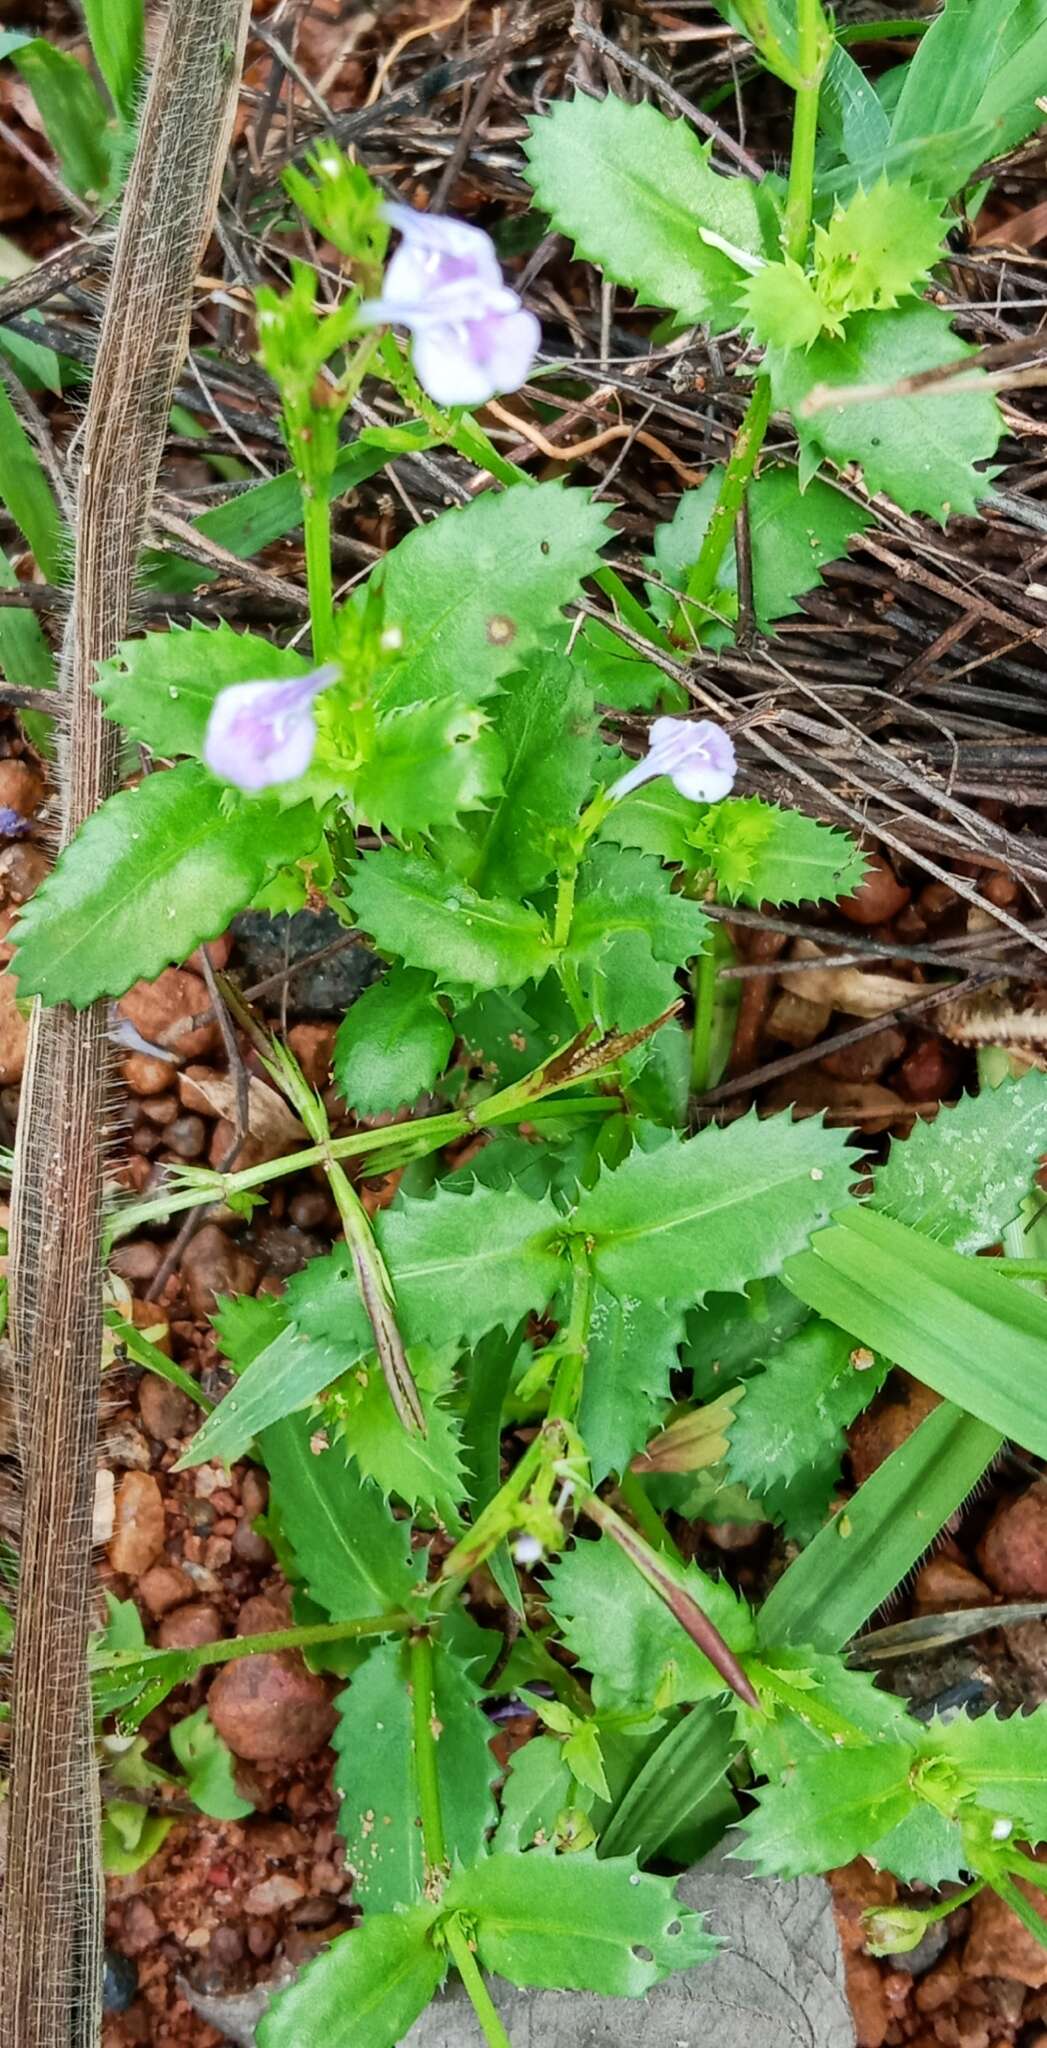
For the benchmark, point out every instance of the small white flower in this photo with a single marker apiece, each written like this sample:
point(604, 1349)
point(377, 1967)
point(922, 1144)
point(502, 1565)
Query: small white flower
point(472, 336)
point(260, 734)
point(696, 755)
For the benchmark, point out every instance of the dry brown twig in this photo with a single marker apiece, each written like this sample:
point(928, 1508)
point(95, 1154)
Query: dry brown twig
point(51, 1956)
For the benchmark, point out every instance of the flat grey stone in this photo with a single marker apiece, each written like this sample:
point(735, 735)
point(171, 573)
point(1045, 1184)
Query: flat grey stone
point(777, 1982)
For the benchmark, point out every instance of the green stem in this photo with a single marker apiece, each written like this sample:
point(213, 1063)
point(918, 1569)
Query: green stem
point(469, 1971)
point(230, 1648)
point(566, 884)
point(703, 986)
point(646, 1516)
point(498, 1516)
point(814, 48)
point(423, 1717)
point(701, 581)
point(434, 1844)
point(567, 1386)
point(316, 524)
point(401, 1143)
point(396, 1145)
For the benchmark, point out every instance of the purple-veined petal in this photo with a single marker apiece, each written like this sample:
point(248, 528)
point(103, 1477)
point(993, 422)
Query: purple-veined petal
point(467, 362)
point(472, 337)
point(441, 240)
point(261, 734)
point(697, 756)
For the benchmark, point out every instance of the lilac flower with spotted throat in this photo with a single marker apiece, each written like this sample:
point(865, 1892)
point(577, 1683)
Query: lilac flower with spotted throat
point(472, 337)
point(259, 734)
point(698, 757)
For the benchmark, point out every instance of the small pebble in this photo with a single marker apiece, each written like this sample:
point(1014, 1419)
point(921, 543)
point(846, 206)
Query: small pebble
point(139, 1525)
point(879, 897)
point(187, 1135)
point(120, 1982)
point(190, 1626)
point(165, 1411)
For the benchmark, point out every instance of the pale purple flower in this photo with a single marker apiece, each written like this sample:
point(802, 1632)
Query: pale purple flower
point(472, 337)
point(259, 734)
point(698, 758)
point(12, 823)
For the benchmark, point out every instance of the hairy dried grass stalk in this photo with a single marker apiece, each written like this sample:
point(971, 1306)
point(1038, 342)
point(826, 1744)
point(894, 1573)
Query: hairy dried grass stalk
point(50, 1960)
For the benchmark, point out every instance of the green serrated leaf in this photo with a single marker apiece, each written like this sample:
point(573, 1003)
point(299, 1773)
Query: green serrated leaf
point(876, 249)
point(463, 1263)
point(474, 592)
point(926, 1847)
point(656, 819)
point(628, 934)
point(162, 686)
point(777, 1740)
point(792, 1417)
point(715, 1211)
point(828, 1809)
point(534, 1795)
point(417, 1467)
point(425, 916)
point(623, 1634)
point(732, 1335)
point(780, 305)
point(632, 190)
point(546, 725)
point(355, 1558)
point(793, 533)
point(572, 1923)
point(155, 870)
point(431, 763)
point(375, 1774)
point(760, 854)
point(392, 1044)
point(633, 1348)
point(208, 1767)
point(922, 448)
point(974, 1336)
point(1003, 1763)
point(365, 1991)
point(962, 1178)
point(246, 1324)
